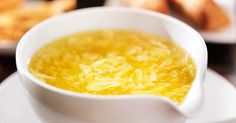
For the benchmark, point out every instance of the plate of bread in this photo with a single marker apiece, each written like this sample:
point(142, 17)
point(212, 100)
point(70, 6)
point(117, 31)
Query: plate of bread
point(18, 16)
point(215, 20)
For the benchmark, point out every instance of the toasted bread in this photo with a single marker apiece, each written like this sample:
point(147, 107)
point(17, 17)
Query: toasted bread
point(204, 14)
point(9, 4)
point(215, 17)
point(191, 9)
point(15, 22)
point(155, 5)
point(58, 6)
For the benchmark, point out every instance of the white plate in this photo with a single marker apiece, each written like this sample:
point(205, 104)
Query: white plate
point(219, 106)
point(223, 36)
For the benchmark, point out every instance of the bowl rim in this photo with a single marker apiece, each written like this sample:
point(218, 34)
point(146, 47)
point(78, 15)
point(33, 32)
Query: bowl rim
point(23, 70)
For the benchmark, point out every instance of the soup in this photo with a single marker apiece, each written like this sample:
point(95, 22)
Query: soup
point(115, 62)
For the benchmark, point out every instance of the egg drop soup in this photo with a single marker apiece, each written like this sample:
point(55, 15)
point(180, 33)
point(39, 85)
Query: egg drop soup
point(115, 62)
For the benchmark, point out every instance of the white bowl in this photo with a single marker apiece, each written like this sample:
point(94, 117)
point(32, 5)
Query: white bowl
point(55, 105)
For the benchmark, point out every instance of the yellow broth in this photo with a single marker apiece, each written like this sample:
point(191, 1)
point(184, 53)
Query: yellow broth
point(115, 62)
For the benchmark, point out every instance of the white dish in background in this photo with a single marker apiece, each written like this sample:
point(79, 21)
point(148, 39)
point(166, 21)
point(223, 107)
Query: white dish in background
point(219, 105)
point(223, 36)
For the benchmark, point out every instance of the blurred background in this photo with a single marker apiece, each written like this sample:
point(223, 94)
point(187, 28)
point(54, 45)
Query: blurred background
point(18, 16)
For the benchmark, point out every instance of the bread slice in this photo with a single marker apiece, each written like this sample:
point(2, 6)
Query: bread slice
point(9, 4)
point(204, 14)
point(215, 17)
point(191, 9)
point(15, 22)
point(58, 6)
point(154, 5)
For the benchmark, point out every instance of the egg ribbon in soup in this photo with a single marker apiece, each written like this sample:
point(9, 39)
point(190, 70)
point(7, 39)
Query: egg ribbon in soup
point(115, 62)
